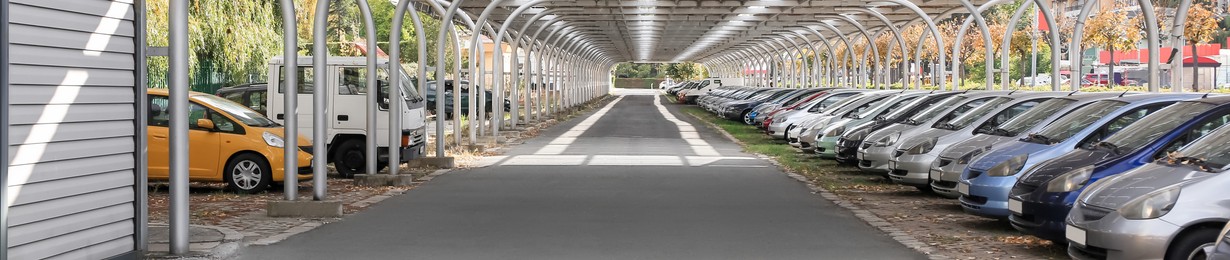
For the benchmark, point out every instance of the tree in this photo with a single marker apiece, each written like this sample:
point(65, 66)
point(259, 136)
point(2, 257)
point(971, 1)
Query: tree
point(1110, 29)
point(1199, 28)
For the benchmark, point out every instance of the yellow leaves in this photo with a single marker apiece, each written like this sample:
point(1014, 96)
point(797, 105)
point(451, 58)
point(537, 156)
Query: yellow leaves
point(1110, 28)
point(1201, 24)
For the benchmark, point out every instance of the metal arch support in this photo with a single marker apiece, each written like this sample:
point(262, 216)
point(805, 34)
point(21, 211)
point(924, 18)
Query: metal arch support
point(900, 40)
point(849, 51)
point(447, 21)
point(529, 102)
point(939, 42)
point(370, 149)
point(1176, 34)
point(1146, 9)
point(815, 62)
point(516, 64)
point(772, 58)
point(870, 40)
point(808, 80)
point(781, 54)
point(498, 67)
point(976, 17)
point(831, 57)
point(790, 57)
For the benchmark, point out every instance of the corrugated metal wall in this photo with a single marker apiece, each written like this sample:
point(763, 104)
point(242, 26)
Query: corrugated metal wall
point(72, 154)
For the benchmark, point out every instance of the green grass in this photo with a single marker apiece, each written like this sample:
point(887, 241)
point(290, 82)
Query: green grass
point(826, 173)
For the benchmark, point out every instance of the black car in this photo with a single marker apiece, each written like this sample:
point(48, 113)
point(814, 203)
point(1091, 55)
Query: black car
point(465, 98)
point(252, 95)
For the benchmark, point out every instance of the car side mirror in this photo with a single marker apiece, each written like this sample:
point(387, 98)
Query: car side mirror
point(205, 124)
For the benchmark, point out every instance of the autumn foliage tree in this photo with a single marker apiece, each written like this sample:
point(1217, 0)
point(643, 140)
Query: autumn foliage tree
point(1199, 28)
point(1110, 29)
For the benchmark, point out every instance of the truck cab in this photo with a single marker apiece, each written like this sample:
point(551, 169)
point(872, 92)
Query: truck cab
point(347, 110)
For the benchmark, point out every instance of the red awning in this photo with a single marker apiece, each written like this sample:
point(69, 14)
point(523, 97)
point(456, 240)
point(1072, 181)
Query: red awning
point(1204, 62)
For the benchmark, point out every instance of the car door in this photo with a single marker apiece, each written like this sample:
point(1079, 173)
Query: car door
point(203, 145)
point(1196, 132)
point(156, 130)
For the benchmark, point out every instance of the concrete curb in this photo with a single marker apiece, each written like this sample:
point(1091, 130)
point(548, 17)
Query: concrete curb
point(865, 215)
point(227, 248)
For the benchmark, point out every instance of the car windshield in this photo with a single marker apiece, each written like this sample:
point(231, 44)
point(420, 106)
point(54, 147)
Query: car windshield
point(844, 102)
point(824, 102)
point(1155, 125)
point(244, 114)
point(886, 107)
point(1210, 151)
point(1074, 122)
point(786, 95)
point(1032, 117)
point(798, 98)
point(407, 83)
point(973, 115)
point(933, 111)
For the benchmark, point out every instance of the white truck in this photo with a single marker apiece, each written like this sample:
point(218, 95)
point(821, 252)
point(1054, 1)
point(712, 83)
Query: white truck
point(347, 132)
point(690, 95)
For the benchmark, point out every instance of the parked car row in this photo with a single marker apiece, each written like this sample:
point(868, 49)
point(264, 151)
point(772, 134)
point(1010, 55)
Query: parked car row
point(1112, 175)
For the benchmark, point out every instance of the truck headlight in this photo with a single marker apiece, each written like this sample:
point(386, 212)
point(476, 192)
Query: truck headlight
point(274, 140)
point(923, 147)
point(1070, 181)
point(1010, 167)
point(1152, 205)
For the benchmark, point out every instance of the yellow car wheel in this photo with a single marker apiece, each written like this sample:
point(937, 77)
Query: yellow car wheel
point(248, 173)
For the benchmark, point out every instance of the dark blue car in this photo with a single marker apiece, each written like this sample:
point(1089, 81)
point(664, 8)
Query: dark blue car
point(1041, 199)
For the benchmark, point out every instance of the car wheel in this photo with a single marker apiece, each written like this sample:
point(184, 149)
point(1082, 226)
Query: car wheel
point(1192, 244)
point(747, 119)
point(350, 158)
point(248, 173)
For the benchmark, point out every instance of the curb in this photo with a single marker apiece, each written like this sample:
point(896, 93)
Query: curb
point(228, 247)
point(865, 215)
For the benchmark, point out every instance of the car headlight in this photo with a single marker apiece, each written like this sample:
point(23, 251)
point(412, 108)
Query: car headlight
point(836, 131)
point(1070, 181)
point(965, 159)
point(273, 140)
point(856, 135)
point(923, 147)
point(888, 140)
point(1152, 205)
point(1010, 167)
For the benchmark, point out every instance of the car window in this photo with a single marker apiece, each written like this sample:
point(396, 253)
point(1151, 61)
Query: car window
point(306, 79)
point(1008, 114)
point(1120, 122)
point(1074, 122)
point(853, 113)
point(829, 101)
point(1152, 127)
point(966, 115)
point(257, 101)
point(1202, 130)
point(158, 113)
point(224, 124)
point(1030, 118)
point(236, 97)
point(1212, 149)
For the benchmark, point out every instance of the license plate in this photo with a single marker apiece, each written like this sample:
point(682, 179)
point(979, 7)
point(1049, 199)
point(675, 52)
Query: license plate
point(963, 188)
point(1075, 234)
point(1014, 206)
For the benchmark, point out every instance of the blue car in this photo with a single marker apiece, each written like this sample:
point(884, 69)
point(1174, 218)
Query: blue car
point(1043, 196)
point(984, 185)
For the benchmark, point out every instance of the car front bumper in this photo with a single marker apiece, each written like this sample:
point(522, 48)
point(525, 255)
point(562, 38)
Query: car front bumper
point(988, 195)
point(874, 158)
point(1114, 237)
point(826, 147)
point(911, 169)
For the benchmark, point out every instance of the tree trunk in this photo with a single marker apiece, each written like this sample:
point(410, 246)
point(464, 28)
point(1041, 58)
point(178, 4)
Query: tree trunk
point(1195, 69)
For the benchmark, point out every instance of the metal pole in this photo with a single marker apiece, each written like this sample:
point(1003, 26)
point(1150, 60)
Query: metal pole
point(141, 123)
point(178, 99)
point(499, 65)
point(395, 93)
point(457, 127)
point(290, 86)
point(370, 144)
point(320, 112)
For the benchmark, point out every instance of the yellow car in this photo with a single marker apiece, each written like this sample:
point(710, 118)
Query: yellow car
point(227, 142)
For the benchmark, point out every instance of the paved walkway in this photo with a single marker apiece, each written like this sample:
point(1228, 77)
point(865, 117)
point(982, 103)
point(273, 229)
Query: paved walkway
point(636, 179)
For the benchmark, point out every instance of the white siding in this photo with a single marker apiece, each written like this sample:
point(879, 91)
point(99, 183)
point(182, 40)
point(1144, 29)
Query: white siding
point(72, 168)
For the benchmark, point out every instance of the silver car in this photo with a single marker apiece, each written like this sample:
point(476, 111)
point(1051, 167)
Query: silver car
point(878, 147)
point(946, 171)
point(780, 122)
point(911, 162)
point(808, 131)
point(1221, 250)
point(1169, 209)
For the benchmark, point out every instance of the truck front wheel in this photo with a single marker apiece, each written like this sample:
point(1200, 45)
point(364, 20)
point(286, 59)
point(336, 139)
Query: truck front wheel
point(350, 158)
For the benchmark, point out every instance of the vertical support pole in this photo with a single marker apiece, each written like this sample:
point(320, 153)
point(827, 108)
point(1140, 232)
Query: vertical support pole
point(371, 164)
point(290, 87)
point(320, 111)
point(140, 104)
point(178, 99)
point(458, 129)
